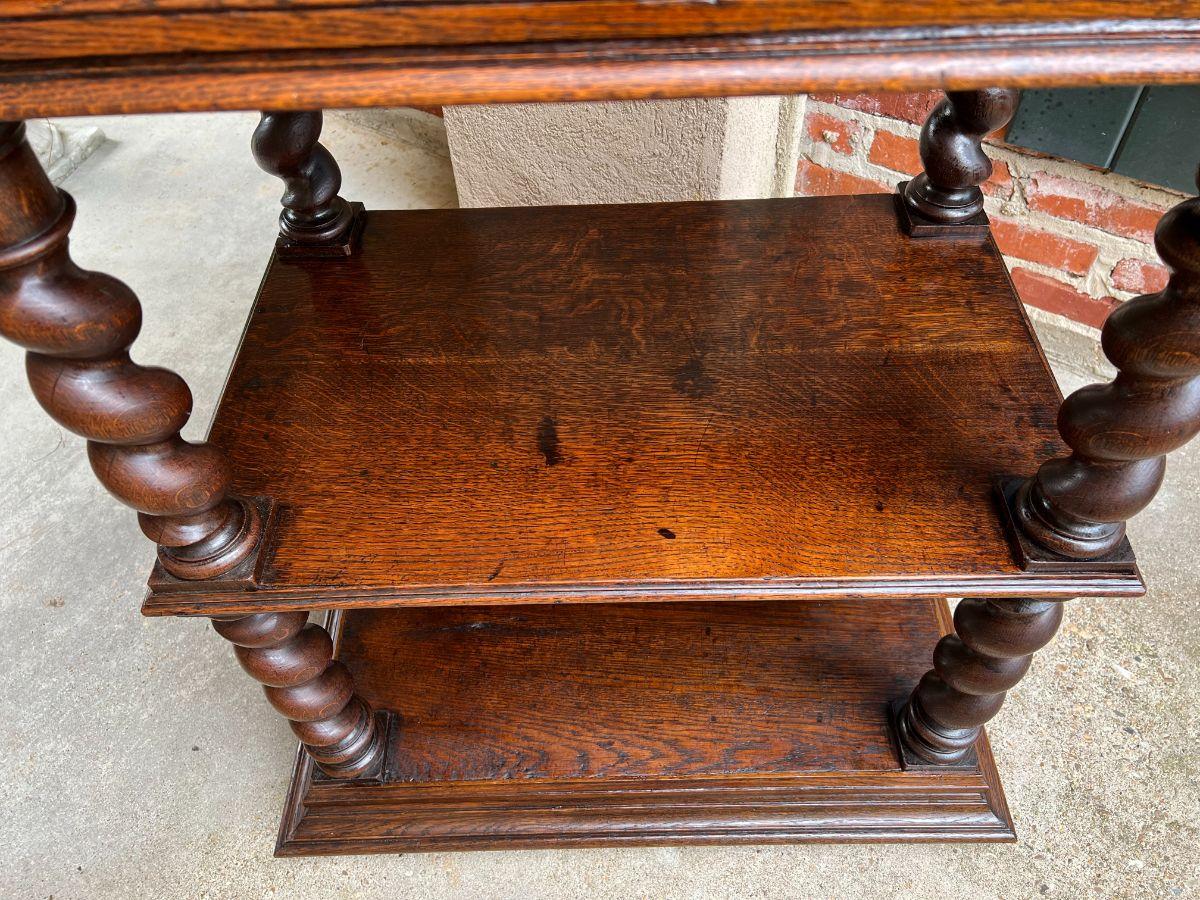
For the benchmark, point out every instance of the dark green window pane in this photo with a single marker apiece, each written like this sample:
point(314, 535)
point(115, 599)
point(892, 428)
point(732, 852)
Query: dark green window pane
point(1083, 124)
point(1162, 145)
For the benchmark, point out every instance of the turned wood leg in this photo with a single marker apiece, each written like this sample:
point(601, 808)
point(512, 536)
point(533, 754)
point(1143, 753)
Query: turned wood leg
point(972, 670)
point(315, 221)
point(293, 660)
point(946, 197)
point(1119, 433)
point(77, 327)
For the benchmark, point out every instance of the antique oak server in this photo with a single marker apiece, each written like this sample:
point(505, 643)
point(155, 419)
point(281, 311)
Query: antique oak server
point(634, 525)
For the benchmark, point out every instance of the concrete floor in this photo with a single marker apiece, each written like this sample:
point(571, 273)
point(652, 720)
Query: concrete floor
point(139, 761)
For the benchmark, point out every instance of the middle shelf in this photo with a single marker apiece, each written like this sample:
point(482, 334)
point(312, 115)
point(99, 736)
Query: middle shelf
point(753, 399)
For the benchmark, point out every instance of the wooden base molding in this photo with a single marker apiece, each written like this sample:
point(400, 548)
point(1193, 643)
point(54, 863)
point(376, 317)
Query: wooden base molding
point(914, 224)
point(609, 725)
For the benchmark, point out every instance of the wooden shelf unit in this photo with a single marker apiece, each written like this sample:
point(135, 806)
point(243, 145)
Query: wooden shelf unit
point(477, 436)
point(773, 398)
point(489, 430)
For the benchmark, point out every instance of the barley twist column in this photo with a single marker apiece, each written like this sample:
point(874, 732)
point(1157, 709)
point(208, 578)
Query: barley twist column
point(294, 662)
point(971, 672)
point(315, 221)
point(77, 327)
point(1119, 433)
point(946, 197)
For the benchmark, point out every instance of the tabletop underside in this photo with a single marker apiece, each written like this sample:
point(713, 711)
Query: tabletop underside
point(121, 56)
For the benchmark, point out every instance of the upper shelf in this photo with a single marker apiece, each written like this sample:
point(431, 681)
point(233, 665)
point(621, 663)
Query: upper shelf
point(106, 56)
point(780, 398)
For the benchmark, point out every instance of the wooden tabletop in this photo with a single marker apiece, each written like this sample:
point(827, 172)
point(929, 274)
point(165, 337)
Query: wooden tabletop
point(109, 56)
point(766, 398)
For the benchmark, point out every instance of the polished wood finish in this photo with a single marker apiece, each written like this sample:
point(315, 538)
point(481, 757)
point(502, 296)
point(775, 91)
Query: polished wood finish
point(946, 198)
point(1033, 557)
point(154, 57)
point(972, 669)
point(293, 660)
point(742, 401)
point(166, 26)
point(315, 220)
point(1119, 433)
point(649, 402)
point(590, 725)
point(77, 327)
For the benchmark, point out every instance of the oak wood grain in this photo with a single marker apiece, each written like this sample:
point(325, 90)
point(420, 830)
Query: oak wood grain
point(302, 64)
point(216, 28)
point(617, 724)
point(783, 397)
point(559, 691)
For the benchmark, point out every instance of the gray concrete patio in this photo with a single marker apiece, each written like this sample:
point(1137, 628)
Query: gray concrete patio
point(139, 761)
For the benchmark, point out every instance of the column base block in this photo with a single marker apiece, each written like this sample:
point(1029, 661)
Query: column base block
point(347, 246)
point(1034, 558)
point(245, 576)
point(916, 225)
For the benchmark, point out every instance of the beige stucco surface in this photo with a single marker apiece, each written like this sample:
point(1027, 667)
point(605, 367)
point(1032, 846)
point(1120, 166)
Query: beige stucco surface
point(524, 154)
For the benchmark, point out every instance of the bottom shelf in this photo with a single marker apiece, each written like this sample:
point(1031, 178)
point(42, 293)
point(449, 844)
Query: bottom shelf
point(674, 723)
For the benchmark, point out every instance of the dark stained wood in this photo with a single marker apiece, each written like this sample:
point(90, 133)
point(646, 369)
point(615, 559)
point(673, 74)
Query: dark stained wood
point(945, 198)
point(315, 221)
point(77, 327)
point(1076, 506)
point(785, 400)
point(641, 724)
point(155, 28)
point(317, 56)
point(1032, 556)
point(639, 402)
point(972, 669)
point(293, 660)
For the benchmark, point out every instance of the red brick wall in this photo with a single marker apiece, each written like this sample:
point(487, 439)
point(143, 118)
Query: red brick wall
point(1077, 241)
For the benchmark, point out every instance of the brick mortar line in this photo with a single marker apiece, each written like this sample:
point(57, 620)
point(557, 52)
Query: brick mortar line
point(1058, 319)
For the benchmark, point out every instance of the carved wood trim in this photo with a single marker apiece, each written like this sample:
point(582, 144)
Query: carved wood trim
point(1119, 433)
point(946, 197)
point(77, 327)
point(293, 660)
point(972, 670)
point(315, 221)
point(1020, 56)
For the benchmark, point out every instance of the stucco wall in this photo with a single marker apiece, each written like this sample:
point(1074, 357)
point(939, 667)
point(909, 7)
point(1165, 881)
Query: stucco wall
point(568, 153)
